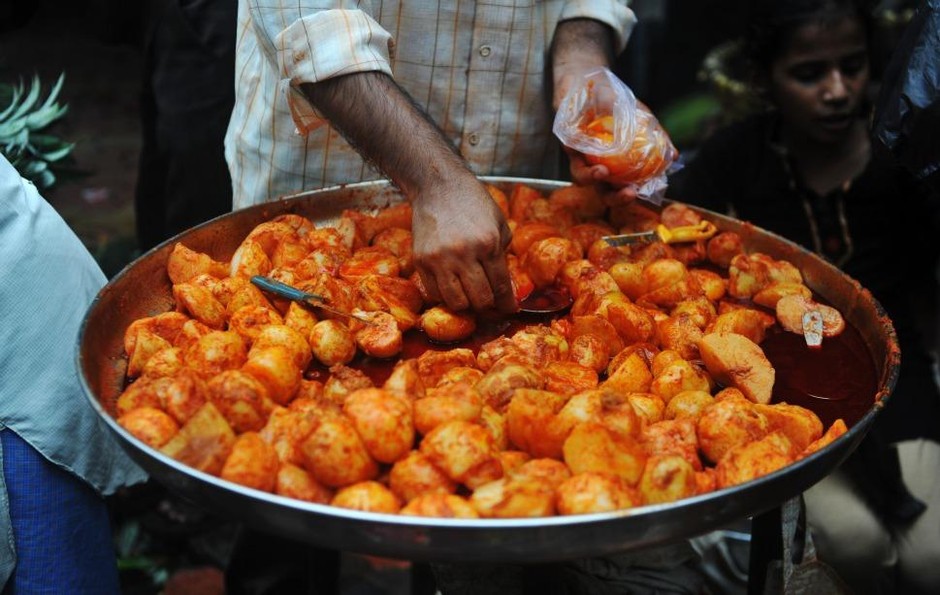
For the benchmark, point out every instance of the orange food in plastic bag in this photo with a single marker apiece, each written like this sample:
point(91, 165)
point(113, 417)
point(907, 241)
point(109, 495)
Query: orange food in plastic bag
point(649, 155)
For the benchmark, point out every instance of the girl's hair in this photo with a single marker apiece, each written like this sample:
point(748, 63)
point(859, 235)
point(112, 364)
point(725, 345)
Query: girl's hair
point(771, 24)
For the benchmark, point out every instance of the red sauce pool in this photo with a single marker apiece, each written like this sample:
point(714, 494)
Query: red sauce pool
point(836, 380)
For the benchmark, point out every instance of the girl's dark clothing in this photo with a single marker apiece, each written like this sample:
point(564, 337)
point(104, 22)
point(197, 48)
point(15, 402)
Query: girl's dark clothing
point(877, 228)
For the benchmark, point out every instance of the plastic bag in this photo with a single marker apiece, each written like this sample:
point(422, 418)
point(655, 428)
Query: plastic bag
point(602, 119)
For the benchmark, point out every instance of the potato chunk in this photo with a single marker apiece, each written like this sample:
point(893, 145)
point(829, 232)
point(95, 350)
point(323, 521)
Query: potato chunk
point(415, 475)
point(592, 447)
point(667, 478)
point(183, 264)
point(335, 455)
point(596, 492)
point(734, 360)
point(512, 497)
point(241, 399)
point(204, 442)
point(728, 423)
point(754, 459)
point(332, 343)
point(383, 421)
point(791, 308)
point(368, 496)
point(446, 506)
point(444, 326)
point(530, 425)
point(444, 404)
point(464, 451)
point(295, 482)
point(252, 463)
point(149, 425)
point(799, 424)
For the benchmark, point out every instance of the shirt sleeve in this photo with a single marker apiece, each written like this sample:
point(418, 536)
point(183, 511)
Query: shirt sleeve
point(316, 41)
point(332, 43)
point(614, 13)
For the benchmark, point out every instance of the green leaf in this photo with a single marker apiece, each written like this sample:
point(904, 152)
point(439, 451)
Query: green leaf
point(9, 108)
point(12, 128)
point(56, 154)
point(32, 154)
point(46, 142)
point(45, 179)
point(14, 100)
point(42, 118)
point(16, 141)
point(33, 167)
point(126, 539)
point(55, 91)
point(159, 576)
point(137, 563)
point(30, 99)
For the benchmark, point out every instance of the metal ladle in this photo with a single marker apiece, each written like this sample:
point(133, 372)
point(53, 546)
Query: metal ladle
point(292, 293)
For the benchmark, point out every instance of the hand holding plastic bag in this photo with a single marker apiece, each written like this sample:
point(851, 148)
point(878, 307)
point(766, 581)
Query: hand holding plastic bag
point(601, 118)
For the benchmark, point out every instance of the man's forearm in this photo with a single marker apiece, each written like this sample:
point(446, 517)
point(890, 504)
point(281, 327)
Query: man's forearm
point(582, 40)
point(579, 46)
point(459, 233)
point(387, 129)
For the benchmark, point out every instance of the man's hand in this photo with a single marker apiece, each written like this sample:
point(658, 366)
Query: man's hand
point(460, 238)
point(459, 233)
point(585, 174)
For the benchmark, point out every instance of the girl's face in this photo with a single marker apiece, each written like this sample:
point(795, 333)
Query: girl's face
point(819, 80)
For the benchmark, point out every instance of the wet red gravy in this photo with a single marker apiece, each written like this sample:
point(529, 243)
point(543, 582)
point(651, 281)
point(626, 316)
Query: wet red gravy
point(835, 380)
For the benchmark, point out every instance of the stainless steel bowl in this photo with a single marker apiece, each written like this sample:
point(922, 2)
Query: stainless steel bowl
point(143, 289)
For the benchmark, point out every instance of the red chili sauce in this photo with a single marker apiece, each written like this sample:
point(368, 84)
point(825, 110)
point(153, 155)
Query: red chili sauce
point(834, 380)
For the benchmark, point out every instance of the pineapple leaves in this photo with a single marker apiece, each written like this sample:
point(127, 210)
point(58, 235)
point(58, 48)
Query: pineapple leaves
point(30, 151)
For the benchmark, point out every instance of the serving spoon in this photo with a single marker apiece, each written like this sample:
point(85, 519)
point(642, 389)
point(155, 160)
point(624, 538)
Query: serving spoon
point(540, 302)
point(546, 300)
point(292, 293)
point(702, 230)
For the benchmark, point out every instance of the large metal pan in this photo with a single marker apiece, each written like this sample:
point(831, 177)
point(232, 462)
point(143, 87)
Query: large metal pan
point(143, 289)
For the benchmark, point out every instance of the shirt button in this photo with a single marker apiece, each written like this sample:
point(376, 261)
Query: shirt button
point(473, 139)
point(485, 50)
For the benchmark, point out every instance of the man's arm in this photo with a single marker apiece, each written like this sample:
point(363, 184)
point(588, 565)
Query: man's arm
point(579, 47)
point(460, 235)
